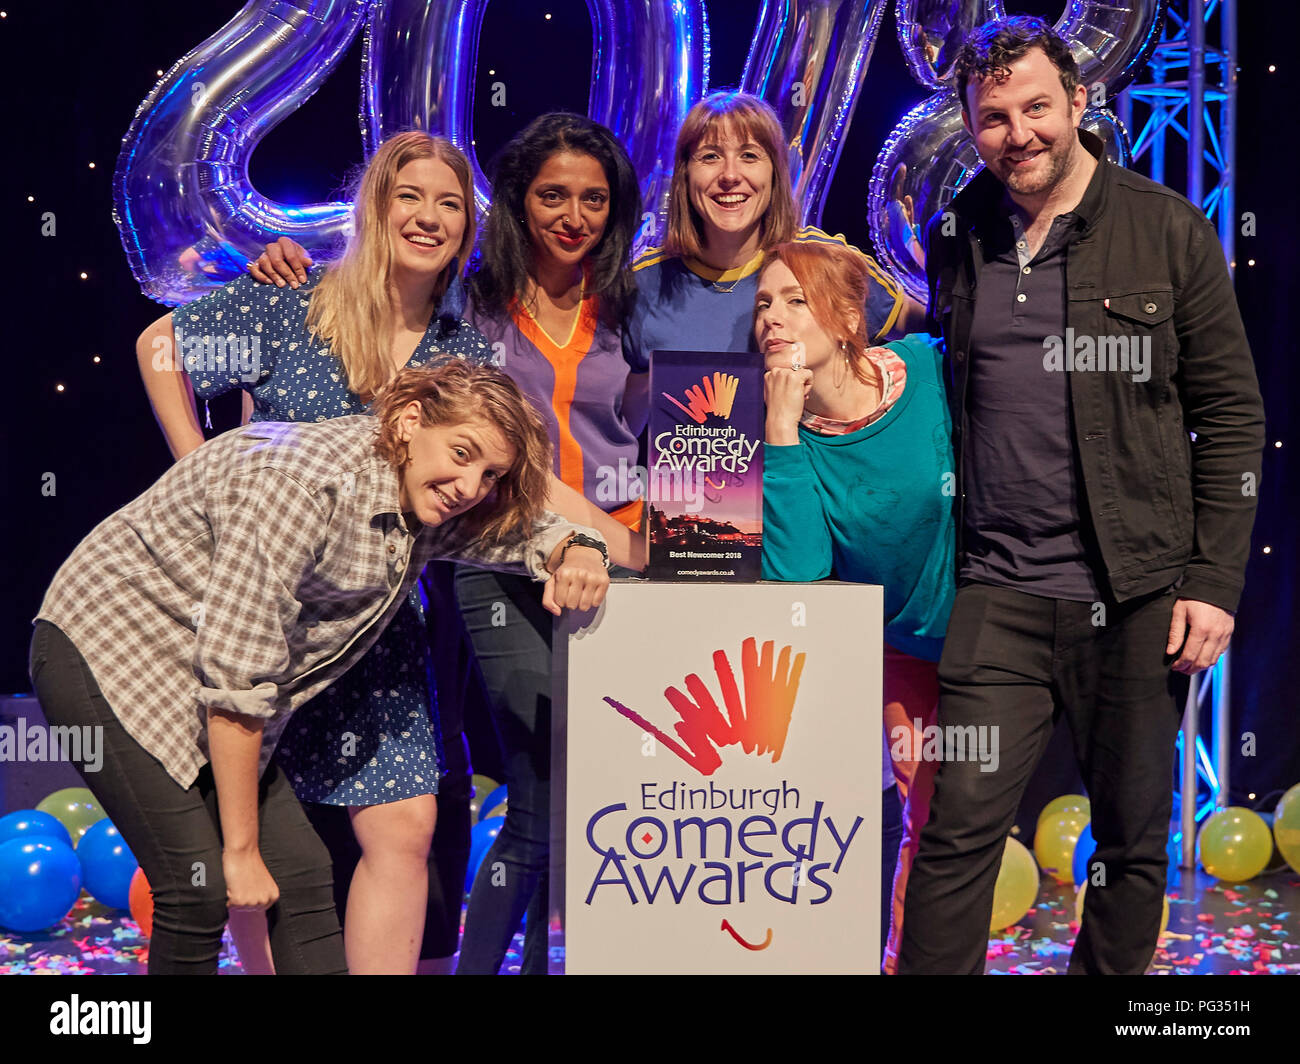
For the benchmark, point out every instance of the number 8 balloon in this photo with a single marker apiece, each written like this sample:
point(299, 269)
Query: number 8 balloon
point(187, 213)
point(929, 156)
point(808, 61)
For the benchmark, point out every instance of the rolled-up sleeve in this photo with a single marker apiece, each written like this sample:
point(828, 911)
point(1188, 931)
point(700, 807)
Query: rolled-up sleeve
point(529, 554)
point(267, 534)
point(225, 338)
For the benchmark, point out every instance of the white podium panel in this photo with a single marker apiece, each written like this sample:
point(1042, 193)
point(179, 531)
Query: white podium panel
point(722, 806)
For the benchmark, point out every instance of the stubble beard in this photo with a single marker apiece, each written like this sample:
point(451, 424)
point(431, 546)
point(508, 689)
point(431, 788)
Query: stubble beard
point(1058, 158)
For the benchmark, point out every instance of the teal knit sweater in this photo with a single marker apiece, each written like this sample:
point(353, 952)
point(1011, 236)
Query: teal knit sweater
point(874, 506)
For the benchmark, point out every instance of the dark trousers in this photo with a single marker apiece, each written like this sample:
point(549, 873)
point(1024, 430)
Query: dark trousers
point(511, 633)
point(1017, 661)
point(891, 834)
point(175, 834)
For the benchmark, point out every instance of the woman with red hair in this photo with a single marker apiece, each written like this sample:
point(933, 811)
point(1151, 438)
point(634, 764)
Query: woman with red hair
point(856, 485)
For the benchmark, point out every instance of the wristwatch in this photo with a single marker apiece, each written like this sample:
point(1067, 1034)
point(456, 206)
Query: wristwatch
point(580, 540)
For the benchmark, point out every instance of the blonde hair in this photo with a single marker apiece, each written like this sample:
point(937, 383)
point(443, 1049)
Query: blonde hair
point(452, 392)
point(750, 119)
point(351, 307)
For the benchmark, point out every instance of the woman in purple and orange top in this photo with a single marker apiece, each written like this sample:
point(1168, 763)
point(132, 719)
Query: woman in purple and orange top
point(552, 288)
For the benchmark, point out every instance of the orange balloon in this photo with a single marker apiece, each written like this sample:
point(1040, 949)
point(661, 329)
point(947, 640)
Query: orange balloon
point(141, 899)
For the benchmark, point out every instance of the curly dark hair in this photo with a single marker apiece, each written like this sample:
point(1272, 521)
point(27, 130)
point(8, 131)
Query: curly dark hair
point(990, 49)
point(506, 254)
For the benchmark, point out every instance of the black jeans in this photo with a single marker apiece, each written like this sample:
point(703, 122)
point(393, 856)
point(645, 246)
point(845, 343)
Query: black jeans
point(511, 633)
point(1017, 661)
point(175, 834)
point(891, 834)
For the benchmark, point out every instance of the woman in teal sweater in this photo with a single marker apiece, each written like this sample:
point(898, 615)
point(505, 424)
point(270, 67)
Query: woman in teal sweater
point(857, 484)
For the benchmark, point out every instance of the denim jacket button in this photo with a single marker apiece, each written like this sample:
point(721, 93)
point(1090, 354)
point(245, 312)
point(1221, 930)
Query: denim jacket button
point(1150, 308)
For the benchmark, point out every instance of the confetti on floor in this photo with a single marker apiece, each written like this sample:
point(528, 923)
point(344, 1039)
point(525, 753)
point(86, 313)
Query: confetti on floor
point(1214, 928)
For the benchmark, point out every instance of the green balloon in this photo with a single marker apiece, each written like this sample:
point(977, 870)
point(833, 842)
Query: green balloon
point(1235, 844)
point(1067, 803)
point(75, 808)
point(479, 788)
point(1286, 827)
point(498, 810)
point(482, 786)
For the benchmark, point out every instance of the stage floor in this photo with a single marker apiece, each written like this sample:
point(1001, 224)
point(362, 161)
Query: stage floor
point(1244, 929)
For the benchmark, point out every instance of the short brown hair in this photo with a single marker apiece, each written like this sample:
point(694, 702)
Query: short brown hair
point(989, 51)
point(834, 280)
point(452, 392)
point(751, 119)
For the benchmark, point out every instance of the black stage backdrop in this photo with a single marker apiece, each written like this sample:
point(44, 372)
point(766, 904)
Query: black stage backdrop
point(74, 73)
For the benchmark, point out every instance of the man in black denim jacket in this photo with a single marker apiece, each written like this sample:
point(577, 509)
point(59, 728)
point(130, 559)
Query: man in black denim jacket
point(1108, 430)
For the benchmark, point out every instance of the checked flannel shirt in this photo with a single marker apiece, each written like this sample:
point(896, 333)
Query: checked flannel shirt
point(250, 577)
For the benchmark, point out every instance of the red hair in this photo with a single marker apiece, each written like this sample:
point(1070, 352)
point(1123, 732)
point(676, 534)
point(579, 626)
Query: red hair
point(834, 280)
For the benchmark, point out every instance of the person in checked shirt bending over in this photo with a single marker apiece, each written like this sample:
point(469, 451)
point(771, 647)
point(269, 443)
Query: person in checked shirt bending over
point(192, 623)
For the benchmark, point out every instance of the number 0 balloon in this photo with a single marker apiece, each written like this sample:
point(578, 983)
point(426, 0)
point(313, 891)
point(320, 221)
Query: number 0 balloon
point(190, 218)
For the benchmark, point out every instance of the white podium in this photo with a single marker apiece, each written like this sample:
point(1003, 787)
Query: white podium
point(716, 780)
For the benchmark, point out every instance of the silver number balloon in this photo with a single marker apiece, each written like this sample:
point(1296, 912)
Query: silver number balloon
point(190, 218)
point(808, 60)
point(186, 211)
point(930, 32)
point(650, 62)
point(927, 159)
point(1111, 41)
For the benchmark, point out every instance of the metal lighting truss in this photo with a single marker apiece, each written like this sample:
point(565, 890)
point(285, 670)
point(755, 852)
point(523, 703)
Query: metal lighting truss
point(1190, 90)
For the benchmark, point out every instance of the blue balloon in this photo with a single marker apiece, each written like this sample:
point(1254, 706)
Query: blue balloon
point(40, 879)
point(32, 824)
point(1083, 851)
point(482, 837)
point(107, 865)
point(492, 801)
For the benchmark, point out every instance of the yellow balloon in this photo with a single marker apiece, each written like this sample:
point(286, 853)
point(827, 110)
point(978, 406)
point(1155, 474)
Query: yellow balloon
point(1234, 844)
point(1054, 843)
point(1017, 886)
point(1286, 827)
point(1078, 909)
point(1068, 803)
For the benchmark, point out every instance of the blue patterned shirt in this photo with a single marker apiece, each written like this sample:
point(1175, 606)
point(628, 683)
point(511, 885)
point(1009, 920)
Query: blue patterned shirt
point(255, 337)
